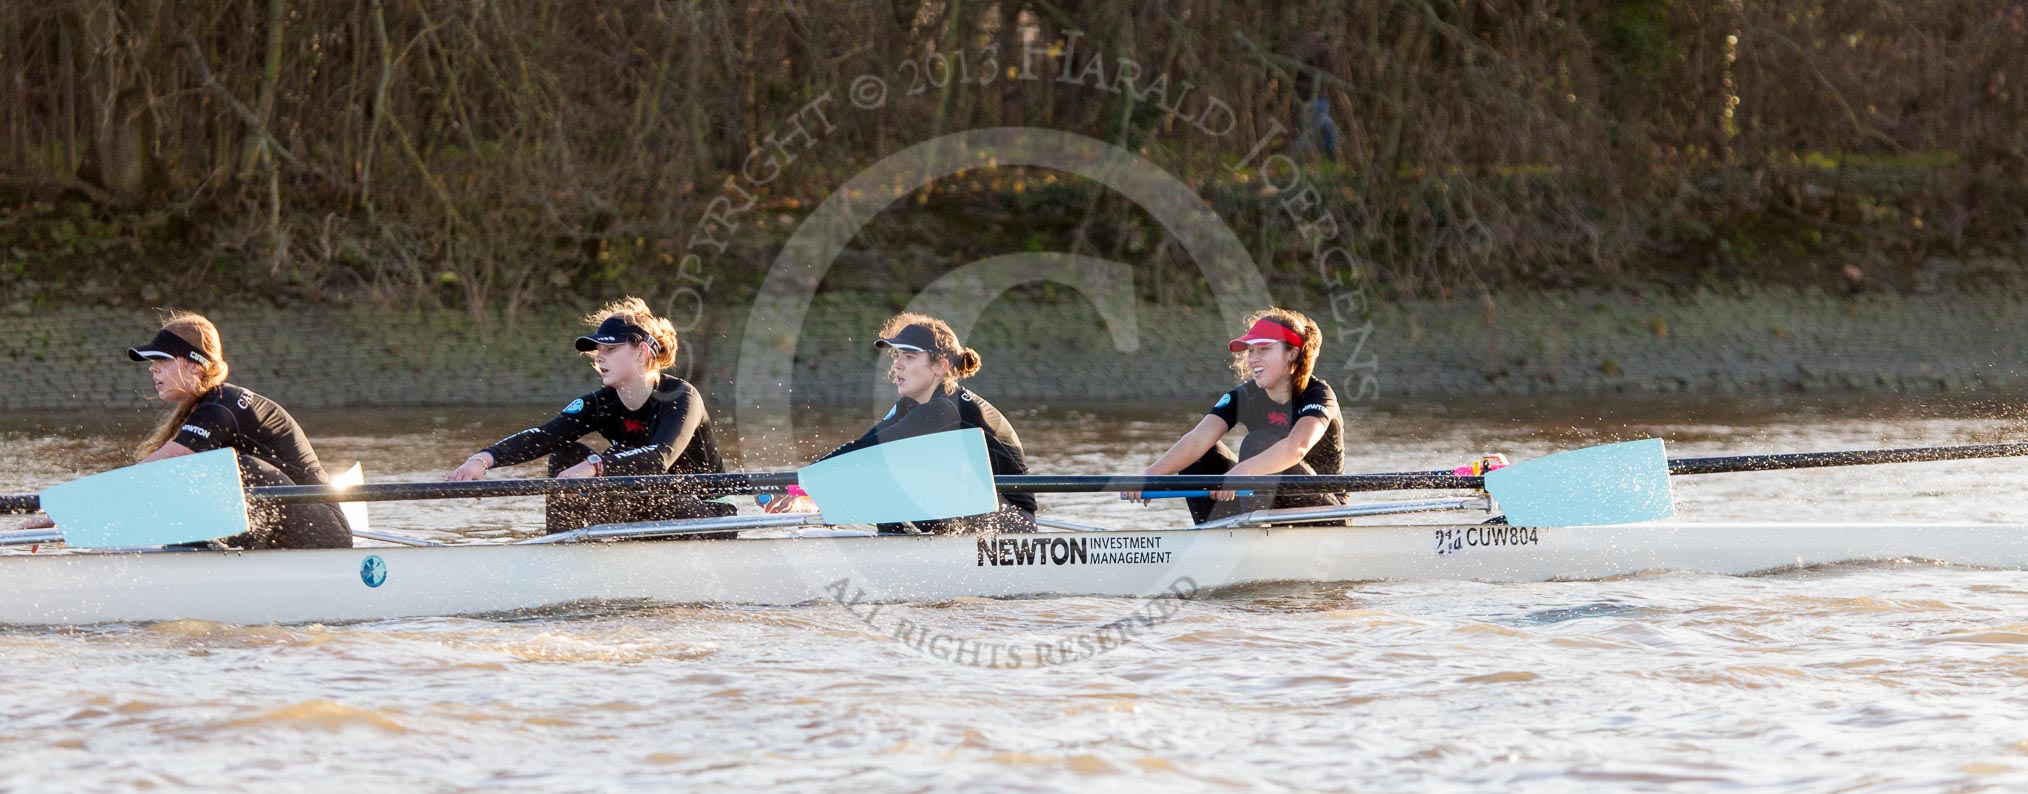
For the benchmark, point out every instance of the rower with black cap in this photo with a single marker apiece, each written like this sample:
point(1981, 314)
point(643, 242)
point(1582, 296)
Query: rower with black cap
point(926, 362)
point(653, 423)
point(1291, 417)
point(186, 362)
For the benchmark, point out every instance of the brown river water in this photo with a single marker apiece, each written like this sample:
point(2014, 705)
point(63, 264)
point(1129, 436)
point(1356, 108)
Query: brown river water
point(1901, 675)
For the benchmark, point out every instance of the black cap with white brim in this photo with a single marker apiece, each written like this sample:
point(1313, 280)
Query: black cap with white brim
point(616, 331)
point(916, 337)
point(167, 346)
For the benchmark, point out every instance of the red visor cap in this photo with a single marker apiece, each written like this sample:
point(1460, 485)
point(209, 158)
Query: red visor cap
point(1265, 331)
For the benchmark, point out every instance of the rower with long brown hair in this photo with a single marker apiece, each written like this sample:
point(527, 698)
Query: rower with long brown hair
point(186, 363)
point(653, 423)
point(1291, 417)
point(925, 361)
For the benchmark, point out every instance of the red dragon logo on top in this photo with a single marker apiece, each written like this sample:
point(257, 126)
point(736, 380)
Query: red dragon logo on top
point(634, 425)
point(1278, 418)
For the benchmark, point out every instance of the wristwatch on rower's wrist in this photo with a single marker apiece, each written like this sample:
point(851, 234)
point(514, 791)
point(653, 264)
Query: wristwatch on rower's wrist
point(598, 464)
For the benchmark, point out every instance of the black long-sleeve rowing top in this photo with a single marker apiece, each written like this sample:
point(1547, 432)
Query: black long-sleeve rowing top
point(671, 433)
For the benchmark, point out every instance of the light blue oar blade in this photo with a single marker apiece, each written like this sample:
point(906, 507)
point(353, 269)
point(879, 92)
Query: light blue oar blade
point(940, 475)
point(1612, 484)
point(179, 500)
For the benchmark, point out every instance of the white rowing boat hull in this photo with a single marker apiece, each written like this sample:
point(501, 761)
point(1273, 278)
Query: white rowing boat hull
point(368, 584)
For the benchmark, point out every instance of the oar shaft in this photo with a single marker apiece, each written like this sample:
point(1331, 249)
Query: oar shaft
point(699, 484)
point(1857, 457)
point(743, 482)
point(1289, 483)
point(722, 484)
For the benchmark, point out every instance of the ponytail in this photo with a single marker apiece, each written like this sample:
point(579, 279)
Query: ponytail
point(964, 364)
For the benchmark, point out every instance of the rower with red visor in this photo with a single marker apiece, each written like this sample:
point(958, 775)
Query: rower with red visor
point(1291, 418)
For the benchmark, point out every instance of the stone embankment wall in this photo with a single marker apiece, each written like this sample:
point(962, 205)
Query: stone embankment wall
point(1060, 353)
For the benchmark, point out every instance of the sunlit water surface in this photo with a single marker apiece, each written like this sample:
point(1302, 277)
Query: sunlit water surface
point(1882, 675)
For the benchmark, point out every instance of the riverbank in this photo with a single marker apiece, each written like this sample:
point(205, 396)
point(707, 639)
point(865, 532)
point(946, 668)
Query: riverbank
point(1039, 351)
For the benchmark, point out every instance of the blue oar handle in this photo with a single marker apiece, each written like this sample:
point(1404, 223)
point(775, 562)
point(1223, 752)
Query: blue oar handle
point(1182, 494)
